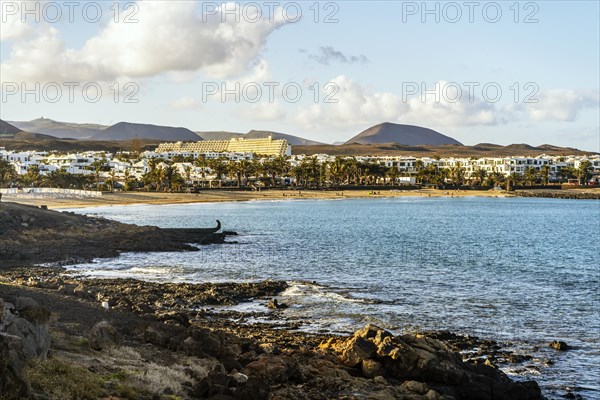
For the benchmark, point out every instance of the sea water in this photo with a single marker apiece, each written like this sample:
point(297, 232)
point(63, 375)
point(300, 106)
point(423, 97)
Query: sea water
point(519, 270)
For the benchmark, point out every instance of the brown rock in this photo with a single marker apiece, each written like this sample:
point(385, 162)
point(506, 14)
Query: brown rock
point(13, 385)
point(103, 335)
point(273, 369)
point(155, 336)
point(31, 310)
point(371, 368)
point(416, 387)
point(558, 345)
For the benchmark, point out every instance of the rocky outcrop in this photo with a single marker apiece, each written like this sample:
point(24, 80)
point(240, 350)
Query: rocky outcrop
point(559, 194)
point(103, 335)
point(428, 363)
point(53, 236)
point(23, 337)
point(559, 345)
point(241, 361)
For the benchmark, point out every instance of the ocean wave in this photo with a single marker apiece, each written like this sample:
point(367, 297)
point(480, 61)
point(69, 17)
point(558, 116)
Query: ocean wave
point(310, 292)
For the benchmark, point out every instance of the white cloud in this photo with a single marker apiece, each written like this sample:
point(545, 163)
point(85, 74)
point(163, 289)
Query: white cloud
point(186, 103)
point(166, 39)
point(561, 104)
point(360, 106)
point(11, 26)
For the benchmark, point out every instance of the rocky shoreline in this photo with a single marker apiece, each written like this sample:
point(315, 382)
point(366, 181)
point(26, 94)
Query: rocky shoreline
point(559, 194)
point(68, 337)
point(114, 333)
point(30, 235)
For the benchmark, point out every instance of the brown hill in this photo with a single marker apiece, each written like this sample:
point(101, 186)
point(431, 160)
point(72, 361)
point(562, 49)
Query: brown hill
point(20, 144)
point(394, 149)
point(59, 129)
point(129, 130)
point(7, 130)
point(411, 135)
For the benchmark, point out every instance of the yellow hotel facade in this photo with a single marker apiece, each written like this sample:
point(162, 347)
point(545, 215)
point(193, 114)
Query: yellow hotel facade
point(265, 146)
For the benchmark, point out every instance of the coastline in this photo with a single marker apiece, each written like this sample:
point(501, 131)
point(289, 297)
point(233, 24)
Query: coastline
point(122, 338)
point(221, 196)
point(139, 313)
point(217, 196)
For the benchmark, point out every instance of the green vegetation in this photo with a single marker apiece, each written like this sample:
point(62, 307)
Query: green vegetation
point(165, 175)
point(60, 380)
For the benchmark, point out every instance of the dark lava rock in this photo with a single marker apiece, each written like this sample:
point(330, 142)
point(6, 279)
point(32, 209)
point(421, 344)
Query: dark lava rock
point(13, 385)
point(558, 345)
point(53, 236)
point(274, 305)
point(104, 335)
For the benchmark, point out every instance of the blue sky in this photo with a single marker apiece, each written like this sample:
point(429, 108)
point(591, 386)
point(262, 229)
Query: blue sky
point(378, 57)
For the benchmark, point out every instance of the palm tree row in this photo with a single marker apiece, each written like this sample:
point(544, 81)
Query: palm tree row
point(308, 173)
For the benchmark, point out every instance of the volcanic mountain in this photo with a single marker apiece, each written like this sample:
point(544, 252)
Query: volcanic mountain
point(7, 130)
point(410, 135)
point(129, 130)
point(59, 129)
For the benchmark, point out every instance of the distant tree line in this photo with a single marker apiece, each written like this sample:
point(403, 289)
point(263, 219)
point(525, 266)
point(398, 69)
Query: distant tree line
point(309, 173)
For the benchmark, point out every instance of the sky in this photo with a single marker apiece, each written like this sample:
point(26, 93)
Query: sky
point(482, 72)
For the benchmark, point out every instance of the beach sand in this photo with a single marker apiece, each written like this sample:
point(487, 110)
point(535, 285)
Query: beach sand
point(209, 196)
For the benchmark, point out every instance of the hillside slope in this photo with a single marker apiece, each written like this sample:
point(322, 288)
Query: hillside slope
point(410, 135)
point(129, 130)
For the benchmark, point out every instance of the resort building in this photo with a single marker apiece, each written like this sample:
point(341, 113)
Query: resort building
point(266, 147)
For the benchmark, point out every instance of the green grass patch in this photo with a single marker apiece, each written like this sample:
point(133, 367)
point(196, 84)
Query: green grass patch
point(61, 380)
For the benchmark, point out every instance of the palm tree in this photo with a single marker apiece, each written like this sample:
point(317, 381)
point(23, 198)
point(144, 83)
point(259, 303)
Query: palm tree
point(97, 166)
point(567, 173)
point(298, 172)
point(32, 177)
point(351, 170)
point(112, 179)
point(127, 176)
point(419, 165)
point(169, 176)
point(457, 174)
point(62, 179)
point(240, 170)
point(530, 175)
point(187, 170)
point(545, 174)
point(337, 169)
point(496, 178)
point(583, 172)
point(281, 167)
point(218, 167)
point(7, 173)
point(480, 174)
point(313, 171)
point(261, 169)
point(393, 173)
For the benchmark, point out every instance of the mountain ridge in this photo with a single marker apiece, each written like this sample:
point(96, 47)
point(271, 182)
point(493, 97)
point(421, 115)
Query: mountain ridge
point(412, 135)
point(131, 130)
point(59, 129)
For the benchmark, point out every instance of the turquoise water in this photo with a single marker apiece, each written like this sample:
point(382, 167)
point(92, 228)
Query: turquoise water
point(524, 271)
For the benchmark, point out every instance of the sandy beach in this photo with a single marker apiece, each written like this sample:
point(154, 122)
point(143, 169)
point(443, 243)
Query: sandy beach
point(127, 198)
